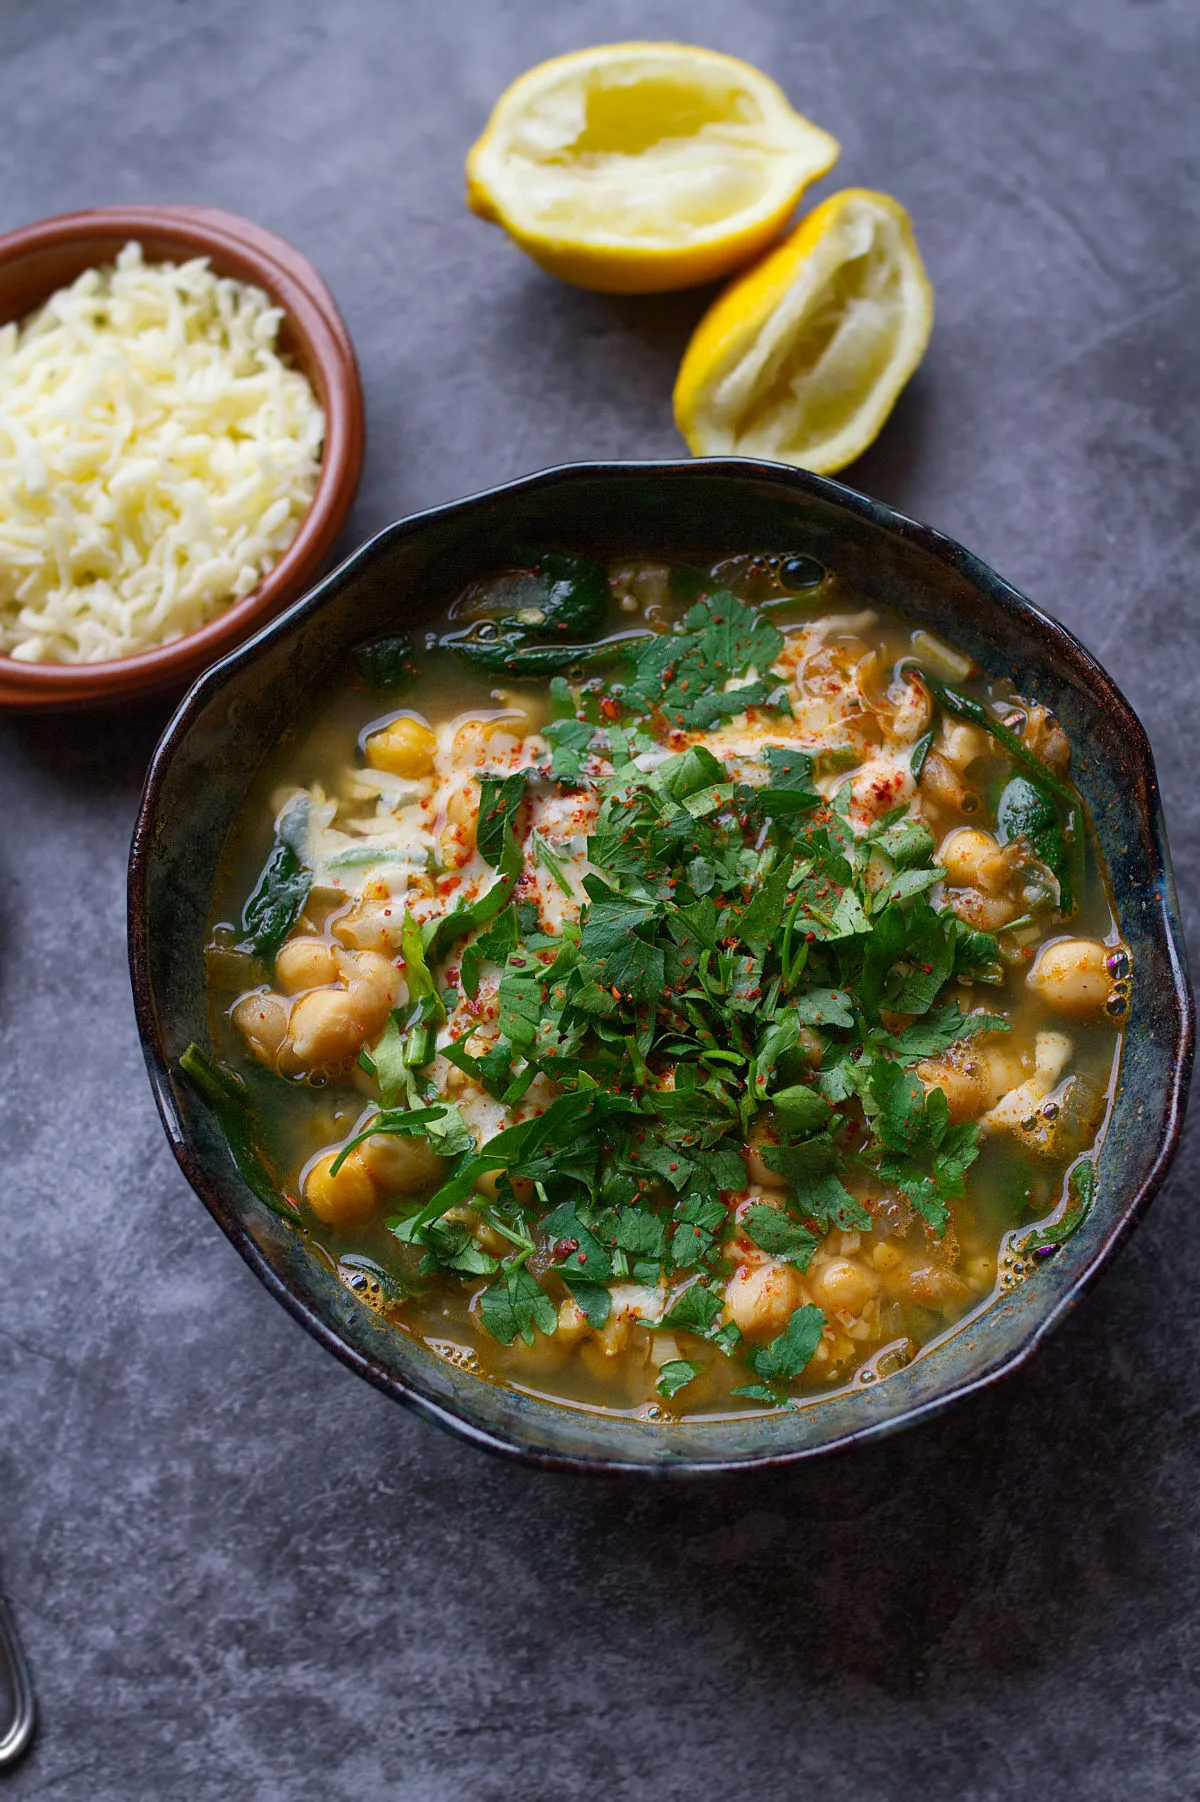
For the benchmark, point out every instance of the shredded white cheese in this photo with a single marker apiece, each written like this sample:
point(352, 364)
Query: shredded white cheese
point(156, 458)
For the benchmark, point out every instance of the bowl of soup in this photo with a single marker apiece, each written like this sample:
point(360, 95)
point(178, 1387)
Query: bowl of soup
point(670, 967)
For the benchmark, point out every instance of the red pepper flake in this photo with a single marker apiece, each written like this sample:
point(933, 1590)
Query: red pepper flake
point(565, 1247)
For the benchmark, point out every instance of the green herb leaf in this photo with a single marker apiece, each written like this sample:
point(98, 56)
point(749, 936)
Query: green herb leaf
point(941, 1028)
point(778, 1235)
point(697, 1310)
point(786, 1357)
point(500, 799)
point(676, 1374)
point(516, 1304)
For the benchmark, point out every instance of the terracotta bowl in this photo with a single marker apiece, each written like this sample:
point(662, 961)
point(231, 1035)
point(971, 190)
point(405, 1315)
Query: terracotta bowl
point(41, 258)
point(697, 510)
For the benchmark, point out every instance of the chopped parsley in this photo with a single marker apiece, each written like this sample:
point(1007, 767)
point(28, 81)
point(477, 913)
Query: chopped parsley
point(740, 956)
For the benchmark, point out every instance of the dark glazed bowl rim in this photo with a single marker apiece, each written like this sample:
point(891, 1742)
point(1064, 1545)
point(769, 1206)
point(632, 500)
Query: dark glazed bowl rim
point(1067, 650)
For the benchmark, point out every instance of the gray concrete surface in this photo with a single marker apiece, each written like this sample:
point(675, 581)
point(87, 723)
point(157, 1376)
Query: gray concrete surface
point(241, 1572)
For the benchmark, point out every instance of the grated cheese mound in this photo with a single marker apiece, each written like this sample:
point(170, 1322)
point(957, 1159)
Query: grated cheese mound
point(156, 458)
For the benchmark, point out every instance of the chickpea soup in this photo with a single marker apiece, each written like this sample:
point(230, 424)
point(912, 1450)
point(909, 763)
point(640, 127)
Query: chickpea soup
point(668, 989)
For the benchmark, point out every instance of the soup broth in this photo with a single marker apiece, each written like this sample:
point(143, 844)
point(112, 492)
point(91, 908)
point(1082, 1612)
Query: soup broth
point(668, 989)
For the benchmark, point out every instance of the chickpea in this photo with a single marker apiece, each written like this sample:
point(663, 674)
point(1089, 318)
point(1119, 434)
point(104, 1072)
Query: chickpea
point(1051, 1053)
point(962, 1076)
point(373, 979)
point(986, 913)
point(974, 859)
point(1005, 1070)
point(347, 1199)
point(405, 747)
point(262, 1021)
point(572, 1322)
point(844, 1284)
point(762, 1298)
point(960, 744)
point(980, 1272)
point(462, 825)
point(304, 963)
point(598, 1351)
point(488, 1186)
point(496, 736)
point(372, 926)
point(400, 1165)
point(325, 1029)
point(329, 1027)
point(941, 784)
point(480, 1230)
point(757, 1168)
point(911, 710)
point(1071, 976)
point(935, 1287)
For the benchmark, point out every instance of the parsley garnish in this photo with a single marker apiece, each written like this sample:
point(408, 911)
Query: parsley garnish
point(740, 957)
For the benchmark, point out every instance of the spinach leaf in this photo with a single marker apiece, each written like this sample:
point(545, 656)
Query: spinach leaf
point(1081, 1190)
point(510, 653)
point(283, 887)
point(1027, 811)
point(560, 601)
point(387, 663)
point(230, 1104)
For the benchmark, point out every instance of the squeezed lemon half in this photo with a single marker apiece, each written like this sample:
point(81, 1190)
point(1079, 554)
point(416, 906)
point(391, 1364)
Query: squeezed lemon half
point(634, 168)
point(802, 357)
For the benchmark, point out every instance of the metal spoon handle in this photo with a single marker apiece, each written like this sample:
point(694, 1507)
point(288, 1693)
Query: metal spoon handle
point(16, 1736)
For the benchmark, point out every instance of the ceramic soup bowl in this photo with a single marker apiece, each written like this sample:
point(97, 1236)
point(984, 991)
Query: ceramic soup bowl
point(697, 510)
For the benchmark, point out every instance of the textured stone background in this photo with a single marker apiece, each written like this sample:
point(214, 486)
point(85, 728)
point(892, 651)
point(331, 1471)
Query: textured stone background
point(240, 1572)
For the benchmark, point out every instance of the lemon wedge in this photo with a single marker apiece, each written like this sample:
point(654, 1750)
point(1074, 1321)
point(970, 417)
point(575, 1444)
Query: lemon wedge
point(638, 167)
point(802, 357)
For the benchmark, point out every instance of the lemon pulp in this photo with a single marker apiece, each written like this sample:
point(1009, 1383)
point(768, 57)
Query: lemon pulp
point(802, 358)
point(636, 167)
